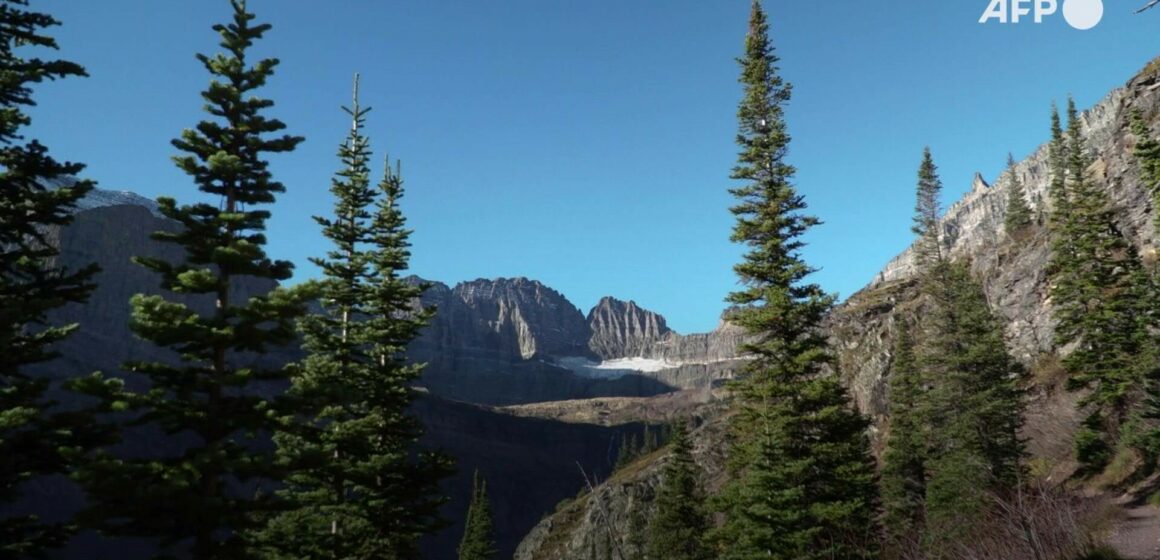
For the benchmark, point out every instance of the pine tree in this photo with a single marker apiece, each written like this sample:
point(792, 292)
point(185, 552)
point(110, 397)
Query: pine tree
point(1096, 301)
point(678, 528)
point(975, 406)
point(33, 441)
point(1147, 152)
point(353, 488)
point(803, 480)
point(927, 211)
point(1018, 212)
point(478, 535)
point(967, 397)
point(212, 398)
point(904, 460)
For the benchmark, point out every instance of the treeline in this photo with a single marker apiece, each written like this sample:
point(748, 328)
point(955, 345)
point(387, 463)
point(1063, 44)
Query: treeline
point(345, 479)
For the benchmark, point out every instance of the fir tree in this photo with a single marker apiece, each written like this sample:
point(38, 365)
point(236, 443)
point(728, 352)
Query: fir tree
point(678, 528)
point(478, 535)
point(904, 461)
point(927, 211)
point(975, 406)
point(968, 398)
point(803, 481)
point(1018, 212)
point(33, 441)
point(211, 398)
point(1096, 300)
point(353, 488)
point(1147, 152)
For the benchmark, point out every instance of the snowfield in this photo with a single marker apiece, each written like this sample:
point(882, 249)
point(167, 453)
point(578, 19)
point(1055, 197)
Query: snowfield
point(612, 369)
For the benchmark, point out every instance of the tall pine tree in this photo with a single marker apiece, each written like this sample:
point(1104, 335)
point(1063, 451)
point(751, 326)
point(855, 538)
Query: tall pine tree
point(211, 399)
point(1147, 153)
point(968, 397)
point(927, 212)
point(1018, 214)
point(478, 541)
point(904, 460)
point(354, 489)
point(803, 480)
point(37, 193)
point(678, 528)
point(1096, 297)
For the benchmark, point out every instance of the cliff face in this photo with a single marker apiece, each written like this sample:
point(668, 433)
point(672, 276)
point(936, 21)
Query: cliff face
point(622, 329)
point(1013, 272)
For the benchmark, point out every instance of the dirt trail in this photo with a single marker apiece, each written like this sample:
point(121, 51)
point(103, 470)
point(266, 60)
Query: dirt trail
point(1138, 536)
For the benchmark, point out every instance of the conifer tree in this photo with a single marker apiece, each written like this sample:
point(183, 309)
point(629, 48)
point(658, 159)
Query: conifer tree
point(678, 528)
point(1147, 153)
point(203, 494)
point(353, 489)
point(1096, 299)
point(927, 211)
point(975, 406)
point(803, 481)
point(478, 535)
point(33, 441)
point(1018, 212)
point(904, 461)
point(968, 397)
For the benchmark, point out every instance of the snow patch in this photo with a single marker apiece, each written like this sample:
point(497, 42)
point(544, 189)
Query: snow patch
point(612, 369)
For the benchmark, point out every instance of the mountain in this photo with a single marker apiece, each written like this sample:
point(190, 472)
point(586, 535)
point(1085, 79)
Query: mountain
point(862, 329)
point(619, 329)
point(502, 341)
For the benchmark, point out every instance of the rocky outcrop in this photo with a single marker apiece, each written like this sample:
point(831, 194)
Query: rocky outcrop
point(722, 344)
point(1013, 271)
point(622, 329)
point(580, 528)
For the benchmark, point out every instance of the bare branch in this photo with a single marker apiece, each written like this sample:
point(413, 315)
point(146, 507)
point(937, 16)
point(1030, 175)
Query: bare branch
point(1151, 4)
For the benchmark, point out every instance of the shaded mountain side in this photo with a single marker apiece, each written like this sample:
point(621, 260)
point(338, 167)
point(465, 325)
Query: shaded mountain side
point(531, 463)
point(579, 528)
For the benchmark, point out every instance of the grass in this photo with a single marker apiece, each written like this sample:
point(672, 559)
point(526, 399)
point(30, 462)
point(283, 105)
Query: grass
point(1154, 499)
point(1152, 67)
point(1123, 466)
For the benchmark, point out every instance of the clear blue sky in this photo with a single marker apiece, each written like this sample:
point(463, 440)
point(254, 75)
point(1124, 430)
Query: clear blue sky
point(588, 144)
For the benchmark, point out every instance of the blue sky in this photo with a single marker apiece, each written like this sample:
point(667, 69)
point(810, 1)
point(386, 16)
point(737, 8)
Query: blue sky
point(587, 144)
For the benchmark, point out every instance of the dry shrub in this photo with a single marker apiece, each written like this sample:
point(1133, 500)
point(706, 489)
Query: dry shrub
point(1036, 523)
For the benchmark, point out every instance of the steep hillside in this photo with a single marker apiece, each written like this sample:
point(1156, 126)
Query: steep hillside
point(862, 329)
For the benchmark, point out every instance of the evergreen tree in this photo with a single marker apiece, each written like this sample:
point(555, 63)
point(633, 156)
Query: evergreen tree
point(212, 398)
point(803, 480)
point(353, 489)
point(1096, 300)
point(967, 397)
point(1147, 152)
point(478, 535)
point(904, 460)
point(1018, 212)
point(678, 528)
point(927, 211)
point(975, 406)
point(33, 441)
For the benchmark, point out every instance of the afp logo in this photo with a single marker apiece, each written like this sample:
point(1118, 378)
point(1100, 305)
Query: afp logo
point(1080, 14)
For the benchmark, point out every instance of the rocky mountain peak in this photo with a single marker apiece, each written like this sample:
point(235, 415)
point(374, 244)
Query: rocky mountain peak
point(623, 329)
